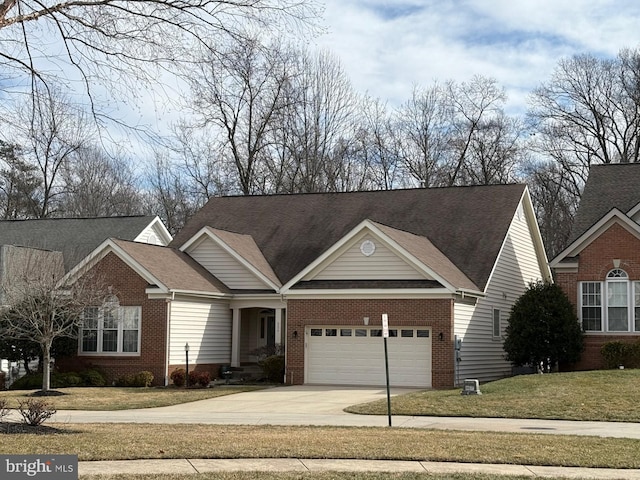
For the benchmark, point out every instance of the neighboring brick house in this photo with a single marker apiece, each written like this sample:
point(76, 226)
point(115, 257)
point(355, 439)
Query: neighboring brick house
point(314, 273)
point(600, 269)
point(61, 243)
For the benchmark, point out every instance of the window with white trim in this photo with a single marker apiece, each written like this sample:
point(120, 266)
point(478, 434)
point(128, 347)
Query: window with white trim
point(496, 327)
point(612, 305)
point(111, 330)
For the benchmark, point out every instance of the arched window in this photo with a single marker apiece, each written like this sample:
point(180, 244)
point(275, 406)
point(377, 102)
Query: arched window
point(617, 301)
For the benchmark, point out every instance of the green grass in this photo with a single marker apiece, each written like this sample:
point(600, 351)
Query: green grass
point(604, 395)
point(114, 398)
point(146, 441)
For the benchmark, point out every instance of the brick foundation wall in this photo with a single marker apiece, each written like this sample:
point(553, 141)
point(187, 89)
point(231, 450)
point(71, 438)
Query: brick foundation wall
point(130, 289)
point(595, 262)
point(437, 314)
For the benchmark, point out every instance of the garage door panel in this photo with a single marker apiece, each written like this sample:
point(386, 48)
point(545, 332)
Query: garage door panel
point(359, 360)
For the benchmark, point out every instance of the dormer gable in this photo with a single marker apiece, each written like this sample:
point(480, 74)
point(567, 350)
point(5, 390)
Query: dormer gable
point(235, 259)
point(155, 234)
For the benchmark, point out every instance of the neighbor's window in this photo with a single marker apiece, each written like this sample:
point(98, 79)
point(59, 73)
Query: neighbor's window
point(496, 323)
point(111, 331)
point(612, 305)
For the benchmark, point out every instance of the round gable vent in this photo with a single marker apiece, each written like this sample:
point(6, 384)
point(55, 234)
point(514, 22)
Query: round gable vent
point(367, 248)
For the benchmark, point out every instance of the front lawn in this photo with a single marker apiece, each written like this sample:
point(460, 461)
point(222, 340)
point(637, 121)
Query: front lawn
point(136, 441)
point(115, 398)
point(603, 395)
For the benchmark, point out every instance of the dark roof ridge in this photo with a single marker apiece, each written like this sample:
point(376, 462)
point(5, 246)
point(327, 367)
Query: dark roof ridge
point(77, 218)
point(357, 192)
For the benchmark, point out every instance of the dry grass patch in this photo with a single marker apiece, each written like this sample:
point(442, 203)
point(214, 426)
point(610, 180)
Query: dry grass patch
point(310, 476)
point(605, 395)
point(136, 441)
point(114, 398)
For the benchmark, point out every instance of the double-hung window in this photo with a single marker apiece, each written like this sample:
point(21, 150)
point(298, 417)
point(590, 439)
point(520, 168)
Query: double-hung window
point(111, 330)
point(612, 305)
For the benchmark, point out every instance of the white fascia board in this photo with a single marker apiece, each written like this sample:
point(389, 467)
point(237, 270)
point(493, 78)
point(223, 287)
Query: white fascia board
point(205, 232)
point(463, 292)
point(538, 242)
point(613, 216)
point(106, 247)
point(345, 240)
point(194, 239)
point(538, 245)
point(360, 293)
point(159, 225)
point(197, 293)
point(634, 211)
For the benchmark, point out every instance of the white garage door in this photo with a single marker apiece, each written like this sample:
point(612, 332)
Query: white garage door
point(355, 356)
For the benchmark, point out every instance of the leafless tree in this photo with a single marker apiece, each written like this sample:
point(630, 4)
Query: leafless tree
point(51, 129)
point(589, 113)
point(319, 121)
point(483, 140)
point(376, 146)
point(236, 96)
point(422, 126)
point(39, 309)
point(97, 184)
point(554, 205)
point(125, 47)
point(19, 184)
point(167, 194)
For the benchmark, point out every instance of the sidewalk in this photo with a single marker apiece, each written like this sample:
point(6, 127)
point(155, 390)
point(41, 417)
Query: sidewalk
point(191, 466)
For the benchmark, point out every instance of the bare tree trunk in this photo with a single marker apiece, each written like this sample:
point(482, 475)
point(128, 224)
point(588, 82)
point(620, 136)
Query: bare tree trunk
point(46, 365)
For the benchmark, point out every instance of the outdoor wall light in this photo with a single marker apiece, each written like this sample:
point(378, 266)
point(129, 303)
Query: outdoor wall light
point(366, 320)
point(441, 336)
point(295, 334)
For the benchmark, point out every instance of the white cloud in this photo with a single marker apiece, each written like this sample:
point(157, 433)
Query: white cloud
point(387, 47)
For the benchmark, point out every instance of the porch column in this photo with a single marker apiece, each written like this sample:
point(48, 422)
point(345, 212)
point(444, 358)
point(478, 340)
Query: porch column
point(235, 338)
point(278, 332)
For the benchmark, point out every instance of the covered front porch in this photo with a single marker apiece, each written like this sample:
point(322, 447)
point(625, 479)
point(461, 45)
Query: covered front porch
point(258, 329)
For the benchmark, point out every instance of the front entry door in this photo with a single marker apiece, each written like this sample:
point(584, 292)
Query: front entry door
point(268, 329)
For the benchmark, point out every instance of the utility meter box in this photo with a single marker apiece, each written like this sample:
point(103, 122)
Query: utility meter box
point(471, 387)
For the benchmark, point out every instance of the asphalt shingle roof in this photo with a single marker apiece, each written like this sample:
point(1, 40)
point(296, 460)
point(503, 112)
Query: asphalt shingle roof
point(608, 186)
point(174, 269)
point(467, 224)
point(74, 237)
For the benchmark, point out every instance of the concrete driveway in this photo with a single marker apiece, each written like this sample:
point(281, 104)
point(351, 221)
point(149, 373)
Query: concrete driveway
point(323, 405)
point(287, 405)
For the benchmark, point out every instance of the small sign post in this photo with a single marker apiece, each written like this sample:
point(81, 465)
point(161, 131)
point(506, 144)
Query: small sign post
point(385, 335)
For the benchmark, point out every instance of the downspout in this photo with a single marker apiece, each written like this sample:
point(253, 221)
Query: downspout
point(167, 343)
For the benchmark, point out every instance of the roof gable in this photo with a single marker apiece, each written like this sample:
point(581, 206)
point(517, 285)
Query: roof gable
point(417, 254)
point(467, 224)
point(614, 216)
point(608, 186)
point(164, 268)
point(232, 256)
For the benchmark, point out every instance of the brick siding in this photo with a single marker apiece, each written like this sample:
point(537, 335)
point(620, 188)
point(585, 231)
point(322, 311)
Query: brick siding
point(437, 314)
point(130, 289)
point(595, 261)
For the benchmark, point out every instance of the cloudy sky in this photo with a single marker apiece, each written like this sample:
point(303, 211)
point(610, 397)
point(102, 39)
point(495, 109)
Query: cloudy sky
point(387, 47)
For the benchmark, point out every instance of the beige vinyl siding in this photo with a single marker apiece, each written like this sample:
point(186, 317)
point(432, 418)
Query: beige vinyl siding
point(516, 267)
point(382, 265)
point(224, 266)
point(205, 325)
